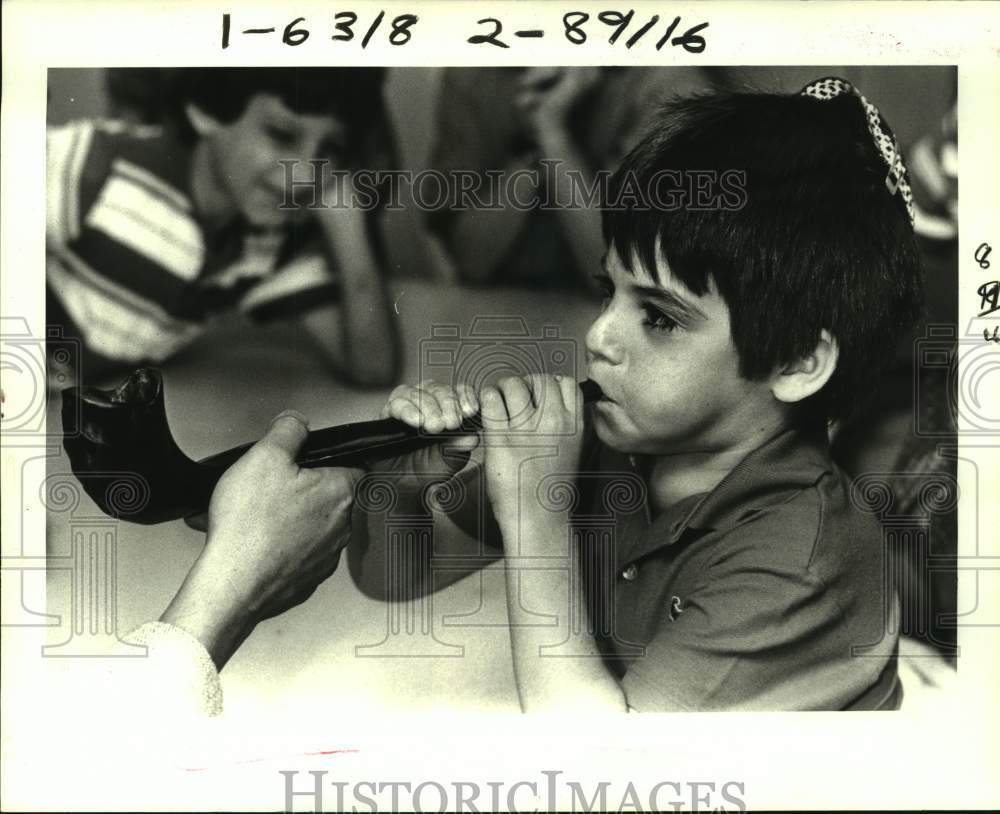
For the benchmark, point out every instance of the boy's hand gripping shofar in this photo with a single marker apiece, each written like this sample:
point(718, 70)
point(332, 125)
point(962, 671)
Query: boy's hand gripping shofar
point(123, 453)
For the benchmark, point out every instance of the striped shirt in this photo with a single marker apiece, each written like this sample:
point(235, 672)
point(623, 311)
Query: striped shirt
point(133, 266)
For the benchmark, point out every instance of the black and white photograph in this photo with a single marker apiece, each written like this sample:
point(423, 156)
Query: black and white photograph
point(620, 409)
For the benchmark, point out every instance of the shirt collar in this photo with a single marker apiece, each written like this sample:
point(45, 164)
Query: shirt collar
point(792, 460)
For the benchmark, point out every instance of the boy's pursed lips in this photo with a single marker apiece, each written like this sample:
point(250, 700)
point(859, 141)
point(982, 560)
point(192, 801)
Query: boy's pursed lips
point(602, 393)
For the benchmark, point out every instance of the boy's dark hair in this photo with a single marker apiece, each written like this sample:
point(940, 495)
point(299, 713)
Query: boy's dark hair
point(815, 241)
point(353, 95)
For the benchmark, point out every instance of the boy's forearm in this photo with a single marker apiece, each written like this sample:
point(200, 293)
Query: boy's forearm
point(370, 335)
point(581, 225)
point(569, 674)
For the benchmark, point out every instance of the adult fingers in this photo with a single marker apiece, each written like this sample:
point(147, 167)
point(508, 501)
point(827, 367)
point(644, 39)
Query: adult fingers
point(286, 434)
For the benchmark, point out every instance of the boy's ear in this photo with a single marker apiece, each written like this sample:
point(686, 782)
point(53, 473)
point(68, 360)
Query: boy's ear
point(203, 123)
point(808, 375)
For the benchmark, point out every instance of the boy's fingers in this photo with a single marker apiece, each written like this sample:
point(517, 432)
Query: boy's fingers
point(430, 406)
point(467, 400)
point(404, 410)
point(447, 401)
point(413, 405)
point(548, 395)
point(431, 410)
point(540, 385)
point(571, 395)
point(287, 433)
point(402, 400)
point(402, 391)
point(492, 409)
point(401, 395)
point(517, 398)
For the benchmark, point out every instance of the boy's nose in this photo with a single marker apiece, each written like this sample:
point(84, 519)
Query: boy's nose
point(601, 341)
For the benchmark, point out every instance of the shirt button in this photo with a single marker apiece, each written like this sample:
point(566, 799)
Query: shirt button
point(630, 573)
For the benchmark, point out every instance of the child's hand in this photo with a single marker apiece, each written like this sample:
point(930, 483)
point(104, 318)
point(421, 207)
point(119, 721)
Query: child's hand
point(433, 408)
point(339, 195)
point(519, 416)
point(547, 95)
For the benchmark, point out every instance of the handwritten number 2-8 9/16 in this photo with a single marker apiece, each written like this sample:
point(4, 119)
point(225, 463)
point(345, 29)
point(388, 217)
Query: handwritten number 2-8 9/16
point(577, 32)
point(295, 33)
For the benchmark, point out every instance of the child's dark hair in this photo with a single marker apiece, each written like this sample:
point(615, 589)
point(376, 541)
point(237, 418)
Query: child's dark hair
point(353, 95)
point(815, 241)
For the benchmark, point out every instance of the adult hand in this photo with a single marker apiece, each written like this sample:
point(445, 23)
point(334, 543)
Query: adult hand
point(275, 532)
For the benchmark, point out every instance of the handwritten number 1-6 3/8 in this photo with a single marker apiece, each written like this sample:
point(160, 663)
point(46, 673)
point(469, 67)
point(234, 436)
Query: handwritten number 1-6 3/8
point(345, 28)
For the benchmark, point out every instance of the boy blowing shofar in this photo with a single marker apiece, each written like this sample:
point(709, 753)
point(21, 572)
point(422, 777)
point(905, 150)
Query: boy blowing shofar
point(739, 575)
point(736, 572)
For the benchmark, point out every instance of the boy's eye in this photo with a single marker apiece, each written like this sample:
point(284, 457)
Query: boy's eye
point(656, 320)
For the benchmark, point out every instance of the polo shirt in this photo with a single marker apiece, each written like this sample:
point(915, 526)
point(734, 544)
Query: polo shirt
point(769, 592)
point(132, 265)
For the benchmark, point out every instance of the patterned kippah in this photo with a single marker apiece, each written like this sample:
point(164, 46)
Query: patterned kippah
point(895, 181)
